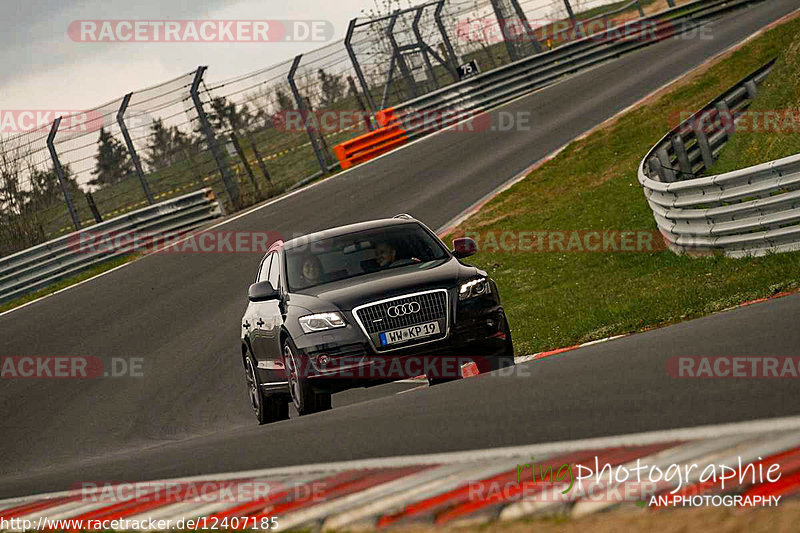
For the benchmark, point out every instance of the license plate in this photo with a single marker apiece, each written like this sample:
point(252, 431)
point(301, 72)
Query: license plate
point(409, 333)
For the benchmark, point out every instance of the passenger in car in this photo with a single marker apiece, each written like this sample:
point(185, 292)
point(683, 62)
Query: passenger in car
point(311, 271)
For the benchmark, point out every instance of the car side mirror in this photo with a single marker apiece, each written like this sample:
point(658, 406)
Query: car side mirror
point(262, 291)
point(464, 247)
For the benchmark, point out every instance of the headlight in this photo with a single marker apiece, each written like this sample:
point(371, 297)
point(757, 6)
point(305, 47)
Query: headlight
point(321, 322)
point(475, 287)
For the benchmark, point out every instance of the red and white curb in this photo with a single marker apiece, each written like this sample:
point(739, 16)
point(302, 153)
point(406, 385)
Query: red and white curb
point(449, 488)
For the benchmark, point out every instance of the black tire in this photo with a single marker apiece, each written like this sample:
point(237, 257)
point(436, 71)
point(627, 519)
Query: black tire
point(439, 379)
point(498, 361)
point(266, 408)
point(305, 399)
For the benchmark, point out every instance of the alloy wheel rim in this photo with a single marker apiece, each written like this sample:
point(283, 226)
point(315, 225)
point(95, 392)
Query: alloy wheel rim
point(294, 382)
point(252, 387)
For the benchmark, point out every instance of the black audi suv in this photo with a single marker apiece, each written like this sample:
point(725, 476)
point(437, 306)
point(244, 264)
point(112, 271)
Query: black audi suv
point(362, 305)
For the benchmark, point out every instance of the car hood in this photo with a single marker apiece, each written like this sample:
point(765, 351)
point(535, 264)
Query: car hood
point(349, 293)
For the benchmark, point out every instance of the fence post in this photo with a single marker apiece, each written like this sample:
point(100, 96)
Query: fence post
point(62, 182)
point(530, 35)
point(301, 106)
point(359, 101)
point(93, 207)
point(423, 50)
point(259, 159)
point(246, 163)
point(230, 184)
point(573, 20)
point(131, 149)
point(502, 22)
point(356, 66)
point(451, 54)
point(408, 76)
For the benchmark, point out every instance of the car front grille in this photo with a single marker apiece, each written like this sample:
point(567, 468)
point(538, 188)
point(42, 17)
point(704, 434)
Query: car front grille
point(374, 318)
point(433, 306)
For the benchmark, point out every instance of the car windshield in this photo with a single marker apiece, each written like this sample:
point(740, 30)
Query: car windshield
point(363, 252)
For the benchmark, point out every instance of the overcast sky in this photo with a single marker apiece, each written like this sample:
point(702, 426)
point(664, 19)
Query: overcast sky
point(44, 69)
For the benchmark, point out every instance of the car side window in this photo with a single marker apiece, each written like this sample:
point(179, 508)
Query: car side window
point(263, 271)
point(275, 271)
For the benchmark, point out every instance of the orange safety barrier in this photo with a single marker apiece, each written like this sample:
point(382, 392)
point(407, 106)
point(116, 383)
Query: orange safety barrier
point(373, 143)
point(384, 117)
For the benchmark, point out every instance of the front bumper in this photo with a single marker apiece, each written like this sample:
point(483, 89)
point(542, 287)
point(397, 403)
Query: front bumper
point(344, 357)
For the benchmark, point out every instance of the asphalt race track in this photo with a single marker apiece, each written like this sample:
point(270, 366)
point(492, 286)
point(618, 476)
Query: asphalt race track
point(189, 414)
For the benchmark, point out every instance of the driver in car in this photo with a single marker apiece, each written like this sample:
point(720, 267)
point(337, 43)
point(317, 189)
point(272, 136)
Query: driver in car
point(384, 254)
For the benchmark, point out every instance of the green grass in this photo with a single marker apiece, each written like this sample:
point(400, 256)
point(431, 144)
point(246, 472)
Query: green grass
point(558, 299)
point(779, 92)
point(66, 282)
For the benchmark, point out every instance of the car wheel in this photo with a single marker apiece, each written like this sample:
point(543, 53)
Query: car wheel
point(439, 381)
point(266, 408)
point(305, 399)
point(498, 361)
point(443, 371)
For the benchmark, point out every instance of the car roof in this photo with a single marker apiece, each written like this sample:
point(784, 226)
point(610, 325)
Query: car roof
point(344, 230)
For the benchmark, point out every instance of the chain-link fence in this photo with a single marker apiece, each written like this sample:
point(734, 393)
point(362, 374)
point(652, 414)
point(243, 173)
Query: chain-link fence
point(257, 135)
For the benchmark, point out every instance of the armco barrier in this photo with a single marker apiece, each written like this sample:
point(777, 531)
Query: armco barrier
point(372, 144)
point(59, 258)
point(752, 211)
point(468, 98)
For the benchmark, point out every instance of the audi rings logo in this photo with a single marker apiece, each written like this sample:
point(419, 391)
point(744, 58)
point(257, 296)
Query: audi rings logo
point(403, 310)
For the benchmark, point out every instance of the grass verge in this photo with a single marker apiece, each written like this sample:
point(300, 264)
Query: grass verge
point(777, 107)
point(561, 298)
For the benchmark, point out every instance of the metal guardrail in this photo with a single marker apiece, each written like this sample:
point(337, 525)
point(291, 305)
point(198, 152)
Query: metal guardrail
point(484, 91)
point(59, 258)
point(752, 211)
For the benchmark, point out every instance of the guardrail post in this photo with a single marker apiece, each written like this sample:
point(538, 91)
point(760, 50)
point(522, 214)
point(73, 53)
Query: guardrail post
point(230, 184)
point(683, 156)
point(752, 89)
point(62, 182)
point(667, 172)
point(702, 143)
point(301, 106)
point(451, 54)
point(655, 168)
point(357, 66)
point(639, 6)
point(131, 149)
point(725, 118)
point(671, 3)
